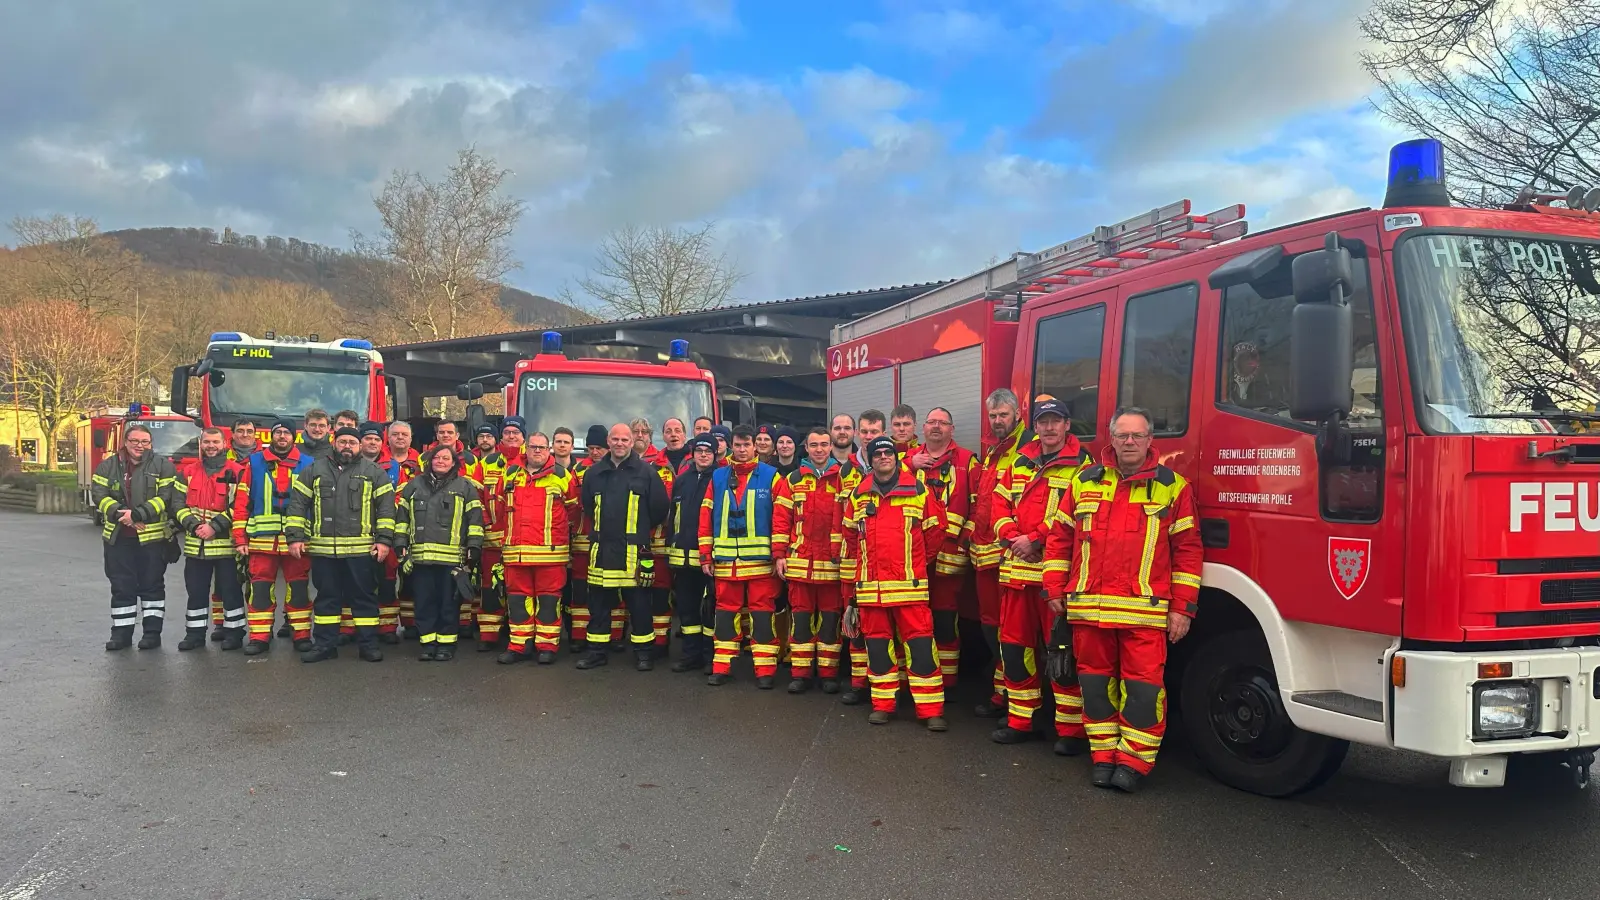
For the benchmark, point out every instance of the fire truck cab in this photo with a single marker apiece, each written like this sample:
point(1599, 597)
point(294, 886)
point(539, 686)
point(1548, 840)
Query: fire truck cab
point(174, 436)
point(1386, 415)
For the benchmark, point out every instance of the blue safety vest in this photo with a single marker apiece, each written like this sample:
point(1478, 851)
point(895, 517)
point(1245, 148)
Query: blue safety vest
point(267, 506)
point(741, 526)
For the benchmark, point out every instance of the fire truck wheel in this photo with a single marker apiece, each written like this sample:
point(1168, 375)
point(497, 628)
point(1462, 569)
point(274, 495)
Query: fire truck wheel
point(1234, 719)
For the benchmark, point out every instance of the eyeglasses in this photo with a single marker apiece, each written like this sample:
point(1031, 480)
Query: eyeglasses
point(1132, 437)
point(532, 447)
point(881, 453)
point(137, 442)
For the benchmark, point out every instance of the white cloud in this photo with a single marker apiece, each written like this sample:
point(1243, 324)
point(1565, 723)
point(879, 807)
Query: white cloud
point(948, 29)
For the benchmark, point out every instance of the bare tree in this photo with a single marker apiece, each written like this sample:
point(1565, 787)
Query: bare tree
point(1511, 87)
point(68, 258)
point(451, 239)
point(658, 271)
point(60, 359)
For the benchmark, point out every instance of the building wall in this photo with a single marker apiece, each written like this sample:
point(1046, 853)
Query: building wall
point(19, 430)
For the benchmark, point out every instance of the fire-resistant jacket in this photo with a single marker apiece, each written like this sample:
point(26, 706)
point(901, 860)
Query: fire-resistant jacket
point(815, 539)
point(622, 503)
point(488, 471)
point(206, 497)
point(318, 449)
point(400, 471)
point(1028, 495)
point(341, 510)
point(262, 499)
point(689, 491)
point(581, 526)
point(536, 508)
point(464, 457)
point(744, 521)
point(982, 544)
point(437, 519)
point(147, 487)
point(890, 541)
point(1125, 551)
point(953, 478)
point(654, 456)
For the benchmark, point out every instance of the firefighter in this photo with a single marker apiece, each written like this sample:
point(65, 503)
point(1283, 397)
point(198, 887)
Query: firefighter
point(134, 490)
point(842, 434)
point(903, 428)
point(342, 512)
point(811, 566)
point(1005, 427)
point(445, 433)
point(314, 437)
point(347, 418)
point(870, 425)
point(438, 533)
point(744, 530)
point(676, 437)
point(243, 442)
point(1029, 493)
point(702, 425)
point(535, 504)
point(396, 608)
point(766, 435)
point(578, 597)
point(259, 507)
point(724, 436)
point(205, 487)
point(372, 447)
point(1124, 567)
point(786, 453)
point(661, 586)
point(695, 602)
point(893, 527)
point(372, 440)
point(496, 454)
point(950, 471)
point(561, 441)
point(623, 500)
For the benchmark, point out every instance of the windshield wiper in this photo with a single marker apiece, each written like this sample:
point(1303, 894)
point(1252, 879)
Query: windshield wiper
point(1553, 415)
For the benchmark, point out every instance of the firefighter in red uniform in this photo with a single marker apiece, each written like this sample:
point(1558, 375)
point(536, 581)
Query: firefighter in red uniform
point(661, 587)
point(744, 533)
point(871, 424)
point(696, 605)
point(893, 528)
point(578, 602)
point(446, 433)
point(1005, 426)
point(498, 450)
point(903, 428)
point(206, 485)
point(950, 471)
point(243, 443)
point(534, 503)
point(811, 566)
point(1029, 493)
point(396, 606)
point(1132, 585)
point(260, 506)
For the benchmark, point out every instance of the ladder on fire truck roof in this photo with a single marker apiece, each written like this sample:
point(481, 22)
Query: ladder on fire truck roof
point(1158, 234)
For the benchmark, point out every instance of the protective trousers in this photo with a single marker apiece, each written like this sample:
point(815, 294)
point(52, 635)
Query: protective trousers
point(814, 632)
point(759, 596)
point(492, 606)
point(1124, 701)
point(264, 570)
point(944, 598)
point(137, 573)
point(389, 589)
point(634, 601)
point(988, 590)
point(438, 604)
point(578, 611)
point(661, 604)
point(696, 607)
point(198, 577)
point(1025, 621)
point(344, 581)
point(533, 603)
point(914, 623)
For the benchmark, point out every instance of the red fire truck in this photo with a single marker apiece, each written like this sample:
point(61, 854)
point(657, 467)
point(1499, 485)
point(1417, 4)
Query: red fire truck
point(100, 434)
point(551, 390)
point(279, 376)
point(1386, 415)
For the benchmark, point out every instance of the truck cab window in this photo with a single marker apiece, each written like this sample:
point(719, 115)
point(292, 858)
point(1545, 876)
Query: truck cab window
point(1158, 355)
point(1066, 364)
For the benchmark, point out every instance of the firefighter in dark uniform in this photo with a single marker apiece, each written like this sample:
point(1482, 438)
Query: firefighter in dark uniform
point(438, 532)
point(341, 513)
point(623, 499)
point(693, 589)
point(134, 492)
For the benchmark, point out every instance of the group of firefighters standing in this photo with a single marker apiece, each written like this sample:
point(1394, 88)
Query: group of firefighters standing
point(865, 536)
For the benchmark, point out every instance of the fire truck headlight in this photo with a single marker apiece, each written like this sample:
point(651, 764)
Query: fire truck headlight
point(1504, 709)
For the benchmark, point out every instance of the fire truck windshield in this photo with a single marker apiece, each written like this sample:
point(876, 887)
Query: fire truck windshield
point(578, 401)
point(173, 437)
point(287, 386)
point(1501, 329)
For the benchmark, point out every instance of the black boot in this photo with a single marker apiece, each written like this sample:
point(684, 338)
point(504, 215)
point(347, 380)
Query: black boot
point(1100, 775)
point(1005, 734)
point(234, 639)
point(428, 652)
point(617, 646)
point(830, 685)
point(389, 637)
point(318, 654)
point(256, 648)
point(988, 710)
point(689, 664)
point(370, 653)
point(511, 658)
point(593, 658)
point(410, 632)
point(764, 682)
point(285, 630)
point(150, 641)
point(304, 645)
point(1071, 746)
point(717, 679)
point(121, 638)
point(218, 635)
point(645, 660)
point(853, 697)
point(545, 657)
point(444, 652)
point(193, 639)
point(799, 685)
point(1126, 780)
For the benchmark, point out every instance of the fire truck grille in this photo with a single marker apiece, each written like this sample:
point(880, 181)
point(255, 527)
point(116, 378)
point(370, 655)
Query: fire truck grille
point(1570, 590)
point(1555, 566)
point(1547, 617)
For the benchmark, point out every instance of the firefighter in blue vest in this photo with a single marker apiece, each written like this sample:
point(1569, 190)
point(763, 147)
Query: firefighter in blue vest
point(259, 507)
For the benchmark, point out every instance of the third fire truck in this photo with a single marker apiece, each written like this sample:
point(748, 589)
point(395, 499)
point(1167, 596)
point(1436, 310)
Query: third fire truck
point(1386, 415)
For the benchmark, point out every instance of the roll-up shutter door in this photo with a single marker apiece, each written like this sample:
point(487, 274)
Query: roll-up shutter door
point(951, 380)
point(869, 390)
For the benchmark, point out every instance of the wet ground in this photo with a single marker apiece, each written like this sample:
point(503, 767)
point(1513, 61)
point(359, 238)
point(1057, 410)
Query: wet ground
point(157, 774)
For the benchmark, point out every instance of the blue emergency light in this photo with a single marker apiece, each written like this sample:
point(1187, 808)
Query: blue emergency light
point(551, 342)
point(1416, 175)
point(678, 350)
point(218, 337)
point(356, 344)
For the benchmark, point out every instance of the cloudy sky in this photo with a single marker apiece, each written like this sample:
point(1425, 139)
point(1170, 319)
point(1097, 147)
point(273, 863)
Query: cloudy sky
point(838, 145)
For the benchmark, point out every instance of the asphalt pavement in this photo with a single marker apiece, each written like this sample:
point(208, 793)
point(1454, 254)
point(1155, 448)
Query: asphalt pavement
point(159, 774)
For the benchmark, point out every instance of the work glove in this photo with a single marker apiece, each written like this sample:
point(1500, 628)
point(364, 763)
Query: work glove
point(850, 625)
point(401, 552)
point(474, 556)
point(1059, 663)
point(647, 563)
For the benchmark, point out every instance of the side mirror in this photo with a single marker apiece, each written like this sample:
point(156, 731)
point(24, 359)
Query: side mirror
point(475, 417)
point(1320, 327)
point(747, 411)
point(204, 366)
point(217, 377)
point(472, 390)
point(180, 389)
point(401, 395)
